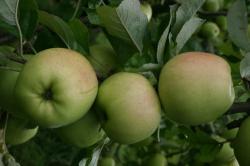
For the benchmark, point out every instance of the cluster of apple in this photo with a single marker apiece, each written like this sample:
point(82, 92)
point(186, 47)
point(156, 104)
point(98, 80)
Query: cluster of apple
point(212, 28)
point(58, 88)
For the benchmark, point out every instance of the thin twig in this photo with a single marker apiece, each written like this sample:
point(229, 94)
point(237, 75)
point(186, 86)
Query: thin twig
point(16, 59)
point(239, 108)
point(76, 9)
point(19, 29)
point(10, 68)
point(32, 47)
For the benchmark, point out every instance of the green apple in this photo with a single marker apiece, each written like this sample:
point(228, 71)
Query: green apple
point(144, 142)
point(225, 155)
point(82, 133)
point(147, 10)
point(234, 163)
point(241, 144)
point(211, 5)
point(157, 159)
point(196, 88)
point(221, 21)
point(103, 59)
point(106, 161)
point(130, 106)
point(221, 3)
point(17, 131)
point(56, 87)
point(210, 30)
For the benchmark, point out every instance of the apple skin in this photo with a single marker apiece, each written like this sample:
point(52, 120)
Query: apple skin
point(82, 133)
point(157, 159)
point(221, 21)
point(241, 143)
point(147, 10)
point(195, 88)
point(104, 59)
point(106, 161)
point(210, 30)
point(56, 87)
point(130, 106)
point(212, 5)
point(145, 142)
point(17, 132)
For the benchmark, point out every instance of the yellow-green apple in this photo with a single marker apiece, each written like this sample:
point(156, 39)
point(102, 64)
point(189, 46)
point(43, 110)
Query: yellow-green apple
point(130, 107)
point(196, 88)
point(56, 87)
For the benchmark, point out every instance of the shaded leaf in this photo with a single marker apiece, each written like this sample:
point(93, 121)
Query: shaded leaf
point(93, 16)
point(126, 22)
point(163, 40)
point(245, 67)
point(28, 17)
point(8, 28)
point(237, 25)
point(186, 11)
point(60, 27)
point(8, 11)
point(81, 34)
point(187, 31)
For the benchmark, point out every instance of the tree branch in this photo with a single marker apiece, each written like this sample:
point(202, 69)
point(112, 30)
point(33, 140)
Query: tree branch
point(239, 108)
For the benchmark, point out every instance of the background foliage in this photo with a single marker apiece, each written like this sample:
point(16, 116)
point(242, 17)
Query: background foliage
point(29, 26)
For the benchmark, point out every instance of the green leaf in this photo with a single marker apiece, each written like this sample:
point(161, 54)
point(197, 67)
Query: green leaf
point(8, 11)
point(187, 31)
point(93, 16)
point(97, 152)
point(60, 27)
point(245, 67)
point(4, 52)
point(186, 11)
point(28, 17)
point(123, 49)
point(126, 22)
point(81, 34)
point(8, 28)
point(237, 25)
point(207, 152)
point(164, 37)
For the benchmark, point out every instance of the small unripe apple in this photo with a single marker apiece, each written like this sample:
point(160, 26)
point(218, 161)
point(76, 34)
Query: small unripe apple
point(210, 30)
point(211, 5)
point(241, 143)
point(56, 87)
point(17, 131)
point(103, 58)
point(196, 88)
point(225, 155)
point(157, 159)
point(130, 107)
point(106, 161)
point(147, 10)
point(221, 3)
point(221, 21)
point(82, 133)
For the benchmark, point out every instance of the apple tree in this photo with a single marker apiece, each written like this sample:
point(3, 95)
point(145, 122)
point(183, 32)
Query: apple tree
point(124, 82)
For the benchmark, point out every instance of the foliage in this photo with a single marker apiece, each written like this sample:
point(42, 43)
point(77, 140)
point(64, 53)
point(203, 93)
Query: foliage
point(142, 46)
